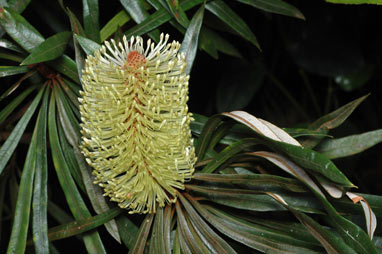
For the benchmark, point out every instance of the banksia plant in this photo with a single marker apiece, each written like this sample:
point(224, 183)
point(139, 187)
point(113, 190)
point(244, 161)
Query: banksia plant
point(92, 120)
point(135, 128)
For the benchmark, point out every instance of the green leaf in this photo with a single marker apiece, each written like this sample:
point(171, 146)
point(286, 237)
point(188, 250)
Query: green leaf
point(211, 39)
point(13, 87)
point(275, 6)
point(40, 190)
point(66, 66)
point(337, 117)
point(81, 226)
point(72, 133)
point(167, 230)
point(17, 242)
point(350, 145)
point(128, 231)
point(158, 18)
point(111, 27)
point(251, 235)
point(311, 160)
point(4, 43)
point(258, 181)
point(206, 135)
point(330, 241)
point(75, 23)
point(178, 13)
point(299, 132)
point(355, 80)
point(212, 240)
point(91, 19)
point(11, 56)
point(377, 2)
point(228, 153)
point(142, 235)
point(18, 5)
point(50, 49)
point(252, 200)
point(87, 45)
point(15, 103)
point(12, 70)
point(190, 41)
point(191, 238)
point(20, 30)
point(76, 204)
point(12, 141)
point(233, 20)
point(139, 14)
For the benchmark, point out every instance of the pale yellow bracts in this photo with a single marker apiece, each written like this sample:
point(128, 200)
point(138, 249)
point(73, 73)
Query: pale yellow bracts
point(135, 122)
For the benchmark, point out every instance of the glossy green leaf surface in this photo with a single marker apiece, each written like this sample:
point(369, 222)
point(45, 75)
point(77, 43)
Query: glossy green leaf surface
point(190, 41)
point(139, 14)
point(312, 160)
point(118, 20)
point(40, 189)
point(81, 226)
point(350, 145)
point(20, 225)
point(20, 30)
point(12, 70)
point(275, 6)
point(50, 49)
point(142, 235)
point(18, 5)
point(212, 240)
point(91, 19)
point(67, 66)
point(260, 181)
point(247, 233)
point(7, 110)
point(76, 204)
point(228, 16)
point(178, 12)
point(128, 231)
point(337, 117)
point(228, 153)
point(158, 18)
point(191, 238)
point(330, 241)
point(4, 43)
point(87, 45)
point(10, 144)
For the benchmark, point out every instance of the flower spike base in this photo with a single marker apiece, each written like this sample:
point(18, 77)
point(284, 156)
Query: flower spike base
point(135, 122)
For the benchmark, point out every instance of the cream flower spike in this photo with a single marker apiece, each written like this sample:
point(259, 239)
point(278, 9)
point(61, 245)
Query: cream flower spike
point(135, 122)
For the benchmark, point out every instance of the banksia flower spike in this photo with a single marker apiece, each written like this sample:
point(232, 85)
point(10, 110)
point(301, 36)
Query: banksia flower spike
point(135, 122)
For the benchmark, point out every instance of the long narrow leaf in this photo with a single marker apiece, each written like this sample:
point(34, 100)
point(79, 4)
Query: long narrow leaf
point(111, 27)
point(190, 41)
point(50, 49)
point(76, 204)
point(81, 226)
point(10, 144)
point(143, 233)
point(233, 20)
point(40, 190)
point(20, 225)
point(275, 6)
point(91, 16)
point(139, 14)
